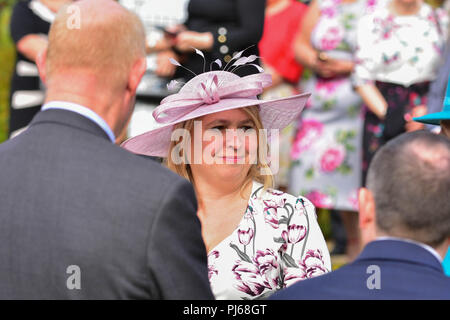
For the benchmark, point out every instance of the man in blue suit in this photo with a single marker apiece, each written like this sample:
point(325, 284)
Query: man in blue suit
point(405, 224)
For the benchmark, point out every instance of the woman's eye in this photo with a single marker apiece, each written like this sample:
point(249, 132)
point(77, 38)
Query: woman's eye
point(218, 128)
point(246, 128)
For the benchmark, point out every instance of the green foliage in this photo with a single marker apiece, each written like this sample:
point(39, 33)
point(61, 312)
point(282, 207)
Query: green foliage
point(324, 220)
point(7, 56)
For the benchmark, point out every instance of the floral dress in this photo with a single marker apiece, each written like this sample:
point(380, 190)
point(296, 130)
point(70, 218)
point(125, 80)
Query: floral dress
point(326, 151)
point(277, 242)
point(401, 55)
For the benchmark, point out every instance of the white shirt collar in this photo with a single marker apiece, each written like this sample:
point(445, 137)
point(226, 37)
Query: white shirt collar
point(84, 111)
point(423, 245)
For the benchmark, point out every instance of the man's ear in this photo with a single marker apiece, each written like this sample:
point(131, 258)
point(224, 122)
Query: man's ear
point(41, 60)
point(137, 71)
point(366, 209)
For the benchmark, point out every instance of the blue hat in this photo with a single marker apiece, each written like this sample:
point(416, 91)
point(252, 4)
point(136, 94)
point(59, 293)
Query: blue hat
point(435, 118)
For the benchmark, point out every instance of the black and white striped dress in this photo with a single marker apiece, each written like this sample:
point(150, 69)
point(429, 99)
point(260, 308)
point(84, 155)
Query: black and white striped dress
point(27, 96)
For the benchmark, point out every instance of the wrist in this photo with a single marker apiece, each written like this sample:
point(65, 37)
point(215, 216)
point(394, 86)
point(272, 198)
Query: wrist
point(208, 40)
point(313, 61)
point(381, 111)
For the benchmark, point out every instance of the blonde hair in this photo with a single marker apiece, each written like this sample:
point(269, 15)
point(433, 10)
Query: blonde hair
point(255, 172)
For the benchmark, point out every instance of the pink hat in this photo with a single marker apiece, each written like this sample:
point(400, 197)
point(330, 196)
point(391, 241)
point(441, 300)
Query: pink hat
point(212, 92)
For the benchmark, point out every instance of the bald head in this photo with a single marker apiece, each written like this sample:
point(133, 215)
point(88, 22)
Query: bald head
point(410, 181)
point(99, 37)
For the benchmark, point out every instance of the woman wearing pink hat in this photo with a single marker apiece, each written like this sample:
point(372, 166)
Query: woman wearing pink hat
point(259, 240)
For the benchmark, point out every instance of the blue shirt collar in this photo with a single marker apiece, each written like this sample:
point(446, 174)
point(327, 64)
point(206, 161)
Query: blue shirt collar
point(86, 112)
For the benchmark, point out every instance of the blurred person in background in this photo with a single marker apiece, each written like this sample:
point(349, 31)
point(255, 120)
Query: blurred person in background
point(29, 26)
point(219, 28)
point(282, 22)
point(436, 94)
point(155, 15)
point(326, 161)
point(400, 48)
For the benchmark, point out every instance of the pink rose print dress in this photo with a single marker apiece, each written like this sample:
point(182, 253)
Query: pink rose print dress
point(326, 152)
point(277, 242)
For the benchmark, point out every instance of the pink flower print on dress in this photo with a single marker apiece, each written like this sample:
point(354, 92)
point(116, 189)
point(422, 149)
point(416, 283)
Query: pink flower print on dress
point(329, 9)
point(332, 159)
point(254, 278)
point(308, 133)
point(331, 38)
point(212, 257)
point(271, 211)
point(245, 236)
point(267, 264)
point(313, 264)
point(292, 275)
point(387, 26)
point(294, 234)
point(329, 87)
point(319, 199)
point(371, 4)
point(248, 277)
point(275, 192)
point(375, 129)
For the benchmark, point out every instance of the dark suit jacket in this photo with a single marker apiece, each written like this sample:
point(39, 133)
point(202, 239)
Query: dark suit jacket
point(405, 270)
point(81, 218)
point(235, 25)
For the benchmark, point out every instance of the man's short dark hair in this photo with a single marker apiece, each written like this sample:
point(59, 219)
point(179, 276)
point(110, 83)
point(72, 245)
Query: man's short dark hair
point(410, 180)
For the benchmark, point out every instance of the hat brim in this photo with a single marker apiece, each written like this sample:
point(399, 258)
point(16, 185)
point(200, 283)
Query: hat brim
point(275, 114)
point(434, 118)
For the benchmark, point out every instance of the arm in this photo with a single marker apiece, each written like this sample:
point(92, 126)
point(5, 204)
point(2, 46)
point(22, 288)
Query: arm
point(304, 52)
point(373, 99)
point(308, 256)
point(363, 76)
point(31, 45)
point(176, 252)
point(23, 31)
point(310, 57)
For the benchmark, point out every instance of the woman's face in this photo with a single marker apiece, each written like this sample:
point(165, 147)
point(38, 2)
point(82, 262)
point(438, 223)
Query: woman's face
point(229, 146)
point(445, 128)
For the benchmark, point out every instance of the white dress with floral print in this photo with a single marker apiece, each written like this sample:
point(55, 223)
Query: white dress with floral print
point(400, 49)
point(277, 242)
point(327, 148)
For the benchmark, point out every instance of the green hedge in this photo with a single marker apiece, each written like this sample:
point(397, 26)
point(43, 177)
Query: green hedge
point(7, 56)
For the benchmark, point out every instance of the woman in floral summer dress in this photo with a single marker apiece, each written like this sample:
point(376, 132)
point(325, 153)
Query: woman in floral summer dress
point(326, 152)
point(258, 240)
point(400, 47)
